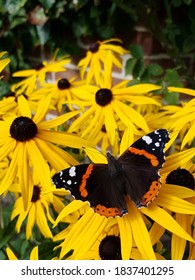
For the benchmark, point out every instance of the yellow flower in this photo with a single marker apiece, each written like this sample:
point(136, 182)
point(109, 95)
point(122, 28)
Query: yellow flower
point(30, 141)
point(61, 92)
point(38, 210)
point(105, 104)
point(3, 62)
point(37, 77)
point(34, 255)
point(96, 56)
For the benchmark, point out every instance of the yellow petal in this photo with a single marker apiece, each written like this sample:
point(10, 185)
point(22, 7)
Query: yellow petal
point(70, 208)
point(64, 139)
point(182, 90)
point(174, 203)
point(39, 163)
point(125, 236)
point(178, 244)
point(95, 156)
point(24, 106)
point(42, 109)
point(160, 216)
point(140, 232)
point(41, 221)
point(11, 255)
point(34, 255)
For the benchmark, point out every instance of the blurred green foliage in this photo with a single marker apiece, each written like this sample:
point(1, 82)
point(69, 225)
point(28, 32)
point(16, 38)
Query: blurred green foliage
point(33, 29)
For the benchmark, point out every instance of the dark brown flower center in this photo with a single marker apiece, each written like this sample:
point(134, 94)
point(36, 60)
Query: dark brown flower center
point(23, 129)
point(103, 96)
point(110, 248)
point(63, 84)
point(39, 66)
point(94, 47)
point(181, 177)
point(36, 194)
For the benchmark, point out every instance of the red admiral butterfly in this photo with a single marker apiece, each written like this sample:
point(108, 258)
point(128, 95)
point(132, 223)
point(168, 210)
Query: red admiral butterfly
point(134, 173)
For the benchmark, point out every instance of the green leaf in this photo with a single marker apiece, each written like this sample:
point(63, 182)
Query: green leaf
point(13, 6)
point(189, 44)
point(187, 2)
point(171, 97)
point(139, 69)
point(172, 78)
point(47, 4)
point(129, 66)
point(136, 51)
point(155, 69)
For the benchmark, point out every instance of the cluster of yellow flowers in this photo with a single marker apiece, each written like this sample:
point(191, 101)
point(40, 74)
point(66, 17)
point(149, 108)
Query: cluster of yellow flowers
point(46, 120)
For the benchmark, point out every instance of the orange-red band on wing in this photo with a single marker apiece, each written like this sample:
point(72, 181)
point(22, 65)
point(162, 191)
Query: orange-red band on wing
point(82, 189)
point(153, 159)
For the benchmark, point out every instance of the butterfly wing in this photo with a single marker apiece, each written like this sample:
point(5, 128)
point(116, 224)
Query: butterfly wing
point(141, 163)
point(93, 183)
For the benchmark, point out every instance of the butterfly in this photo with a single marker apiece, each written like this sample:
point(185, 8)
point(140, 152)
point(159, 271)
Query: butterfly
point(134, 173)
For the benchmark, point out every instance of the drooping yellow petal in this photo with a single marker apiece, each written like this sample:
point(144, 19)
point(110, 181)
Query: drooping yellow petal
point(140, 232)
point(89, 235)
point(178, 244)
point(50, 153)
point(31, 220)
point(125, 236)
point(110, 123)
point(8, 147)
point(173, 162)
point(11, 172)
point(74, 235)
point(163, 218)
point(39, 164)
point(23, 174)
point(41, 220)
point(175, 204)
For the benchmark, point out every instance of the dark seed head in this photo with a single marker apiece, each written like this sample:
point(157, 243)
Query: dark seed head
point(110, 248)
point(39, 66)
point(63, 84)
point(181, 177)
point(23, 129)
point(103, 96)
point(36, 194)
point(94, 47)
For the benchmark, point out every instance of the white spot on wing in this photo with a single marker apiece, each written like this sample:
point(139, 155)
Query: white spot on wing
point(72, 172)
point(147, 139)
point(157, 144)
point(69, 182)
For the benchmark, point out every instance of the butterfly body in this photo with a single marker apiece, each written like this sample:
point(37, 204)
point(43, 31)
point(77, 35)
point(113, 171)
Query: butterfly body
point(134, 173)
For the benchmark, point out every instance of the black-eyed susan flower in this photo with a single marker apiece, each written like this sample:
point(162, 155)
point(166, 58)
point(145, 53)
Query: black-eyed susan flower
point(105, 104)
point(38, 211)
point(61, 91)
point(35, 78)
point(31, 142)
point(96, 56)
point(3, 62)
